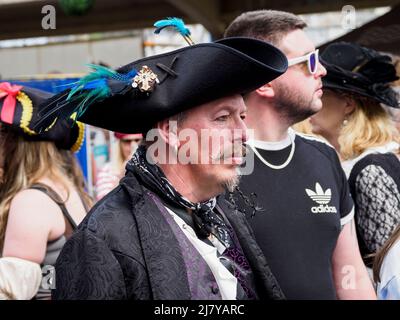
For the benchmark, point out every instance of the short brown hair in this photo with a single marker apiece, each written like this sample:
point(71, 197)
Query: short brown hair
point(267, 25)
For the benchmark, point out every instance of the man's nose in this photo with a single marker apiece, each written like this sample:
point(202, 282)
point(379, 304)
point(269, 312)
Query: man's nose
point(242, 132)
point(321, 72)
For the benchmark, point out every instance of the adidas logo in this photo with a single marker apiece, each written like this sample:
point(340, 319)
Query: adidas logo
point(319, 196)
point(322, 198)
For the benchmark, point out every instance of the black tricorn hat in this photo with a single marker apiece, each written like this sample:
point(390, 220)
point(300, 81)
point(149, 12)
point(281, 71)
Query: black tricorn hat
point(136, 96)
point(19, 108)
point(353, 68)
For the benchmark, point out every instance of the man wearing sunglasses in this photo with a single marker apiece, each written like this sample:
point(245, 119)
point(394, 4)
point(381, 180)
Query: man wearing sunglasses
point(305, 225)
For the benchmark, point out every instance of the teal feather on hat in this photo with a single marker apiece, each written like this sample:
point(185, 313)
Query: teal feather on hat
point(175, 23)
point(94, 87)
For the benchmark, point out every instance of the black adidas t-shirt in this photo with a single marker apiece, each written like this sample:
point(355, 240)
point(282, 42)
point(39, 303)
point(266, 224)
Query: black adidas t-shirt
point(304, 206)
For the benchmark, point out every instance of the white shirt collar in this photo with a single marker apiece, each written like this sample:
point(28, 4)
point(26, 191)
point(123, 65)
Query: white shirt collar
point(273, 146)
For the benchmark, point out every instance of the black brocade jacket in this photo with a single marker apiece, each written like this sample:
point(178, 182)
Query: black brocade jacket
point(125, 249)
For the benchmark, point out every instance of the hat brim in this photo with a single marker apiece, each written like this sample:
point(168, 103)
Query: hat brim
point(346, 87)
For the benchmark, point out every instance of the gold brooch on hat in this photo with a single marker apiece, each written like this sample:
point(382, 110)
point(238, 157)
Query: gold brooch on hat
point(145, 80)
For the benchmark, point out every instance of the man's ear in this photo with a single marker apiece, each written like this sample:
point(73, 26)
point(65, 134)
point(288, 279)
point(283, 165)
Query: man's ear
point(168, 130)
point(266, 91)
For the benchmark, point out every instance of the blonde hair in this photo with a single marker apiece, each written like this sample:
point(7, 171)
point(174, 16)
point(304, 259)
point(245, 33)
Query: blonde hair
point(369, 125)
point(26, 162)
point(304, 127)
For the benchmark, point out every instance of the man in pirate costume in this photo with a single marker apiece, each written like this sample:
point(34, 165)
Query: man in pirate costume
point(160, 234)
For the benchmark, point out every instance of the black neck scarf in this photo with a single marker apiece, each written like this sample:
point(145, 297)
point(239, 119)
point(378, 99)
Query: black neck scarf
point(205, 220)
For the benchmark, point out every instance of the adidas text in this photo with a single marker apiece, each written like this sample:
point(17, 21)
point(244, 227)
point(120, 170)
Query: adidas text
point(323, 209)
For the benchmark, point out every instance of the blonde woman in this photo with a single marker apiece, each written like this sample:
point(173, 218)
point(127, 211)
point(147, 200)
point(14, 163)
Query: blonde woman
point(110, 174)
point(354, 121)
point(42, 196)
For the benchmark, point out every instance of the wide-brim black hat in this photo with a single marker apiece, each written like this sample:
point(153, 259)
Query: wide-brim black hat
point(154, 88)
point(360, 70)
point(19, 108)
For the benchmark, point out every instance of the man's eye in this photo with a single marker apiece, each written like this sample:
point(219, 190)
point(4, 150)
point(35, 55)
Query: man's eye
point(243, 116)
point(222, 118)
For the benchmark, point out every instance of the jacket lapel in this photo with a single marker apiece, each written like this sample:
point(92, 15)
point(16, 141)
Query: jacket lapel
point(161, 251)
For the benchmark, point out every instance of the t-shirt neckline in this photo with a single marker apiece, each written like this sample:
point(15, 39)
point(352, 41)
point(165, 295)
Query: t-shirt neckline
point(275, 145)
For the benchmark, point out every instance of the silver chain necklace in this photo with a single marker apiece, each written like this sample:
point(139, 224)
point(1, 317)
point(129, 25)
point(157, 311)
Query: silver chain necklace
point(270, 165)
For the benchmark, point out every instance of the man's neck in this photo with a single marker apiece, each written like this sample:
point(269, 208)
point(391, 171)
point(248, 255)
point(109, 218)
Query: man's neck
point(186, 184)
point(268, 125)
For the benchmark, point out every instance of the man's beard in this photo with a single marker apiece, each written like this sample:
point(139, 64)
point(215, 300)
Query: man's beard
point(237, 150)
point(232, 183)
point(292, 106)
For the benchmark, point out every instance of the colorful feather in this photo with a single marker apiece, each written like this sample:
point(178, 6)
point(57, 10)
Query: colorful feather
point(95, 87)
point(99, 78)
point(91, 88)
point(175, 23)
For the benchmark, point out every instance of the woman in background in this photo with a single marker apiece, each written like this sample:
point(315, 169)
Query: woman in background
point(356, 124)
point(42, 197)
point(387, 268)
point(110, 174)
